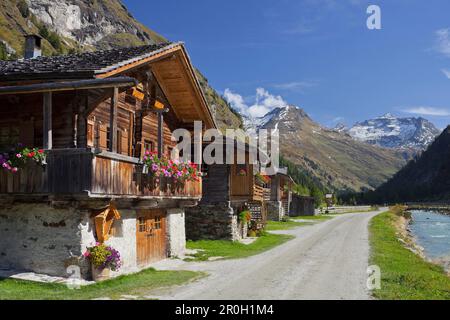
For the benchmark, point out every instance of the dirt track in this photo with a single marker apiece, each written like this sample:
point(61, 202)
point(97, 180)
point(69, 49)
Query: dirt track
point(328, 260)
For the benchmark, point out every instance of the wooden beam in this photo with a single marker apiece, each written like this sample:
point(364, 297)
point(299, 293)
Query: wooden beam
point(47, 110)
point(69, 86)
point(113, 121)
point(160, 134)
point(81, 103)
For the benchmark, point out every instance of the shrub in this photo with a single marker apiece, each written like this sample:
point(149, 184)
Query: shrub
point(22, 5)
point(400, 210)
point(252, 234)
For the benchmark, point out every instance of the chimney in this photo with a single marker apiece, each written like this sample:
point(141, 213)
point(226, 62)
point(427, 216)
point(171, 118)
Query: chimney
point(33, 44)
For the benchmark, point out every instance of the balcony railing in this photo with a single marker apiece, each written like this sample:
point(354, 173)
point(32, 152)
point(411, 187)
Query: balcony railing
point(75, 171)
point(260, 193)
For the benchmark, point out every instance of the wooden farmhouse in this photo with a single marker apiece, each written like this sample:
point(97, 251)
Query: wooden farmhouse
point(280, 195)
point(95, 115)
point(228, 191)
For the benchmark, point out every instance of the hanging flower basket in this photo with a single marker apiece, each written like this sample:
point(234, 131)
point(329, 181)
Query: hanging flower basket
point(19, 157)
point(172, 174)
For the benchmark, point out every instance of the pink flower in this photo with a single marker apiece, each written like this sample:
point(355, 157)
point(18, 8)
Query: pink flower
point(14, 170)
point(19, 155)
point(86, 254)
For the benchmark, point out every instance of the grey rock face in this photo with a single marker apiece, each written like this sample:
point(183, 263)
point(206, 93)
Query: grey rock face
point(87, 22)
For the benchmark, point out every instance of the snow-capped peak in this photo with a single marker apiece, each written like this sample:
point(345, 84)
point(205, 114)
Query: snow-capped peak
point(394, 132)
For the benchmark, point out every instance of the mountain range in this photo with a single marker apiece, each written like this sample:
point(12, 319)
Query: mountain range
point(335, 158)
point(390, 131)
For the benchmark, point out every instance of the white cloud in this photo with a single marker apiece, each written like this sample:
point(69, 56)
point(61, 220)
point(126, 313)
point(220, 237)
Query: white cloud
point(446, 73)
point(297, 86)
point(443, 41)
point(264, 103)
point(338, 119)
point(236, 101)
point(428, 111)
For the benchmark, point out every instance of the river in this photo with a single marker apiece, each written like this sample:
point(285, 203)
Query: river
point(432, 232)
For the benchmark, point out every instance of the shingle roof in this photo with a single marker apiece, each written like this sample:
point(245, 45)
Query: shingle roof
point(84, 65)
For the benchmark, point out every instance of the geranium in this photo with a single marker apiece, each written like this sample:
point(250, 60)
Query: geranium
point(262, 179)
point(179, 171)
point(18, 157)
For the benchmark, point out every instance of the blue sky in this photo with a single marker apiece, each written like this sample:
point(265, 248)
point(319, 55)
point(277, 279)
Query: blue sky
point(317, 54)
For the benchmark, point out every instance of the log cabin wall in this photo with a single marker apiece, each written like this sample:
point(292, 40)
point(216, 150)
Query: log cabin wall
point(131, 133)
point(216, 184)
point(21, 120)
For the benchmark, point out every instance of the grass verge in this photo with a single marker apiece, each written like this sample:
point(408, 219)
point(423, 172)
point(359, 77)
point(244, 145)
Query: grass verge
point(235, 250)
point(139, 285)
point(319, 218)
point(405, 275)
point(284, 225)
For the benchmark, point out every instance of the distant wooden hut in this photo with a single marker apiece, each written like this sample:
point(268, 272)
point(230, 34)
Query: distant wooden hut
point(280, 195)
point(228, 191)
point(302, 206)
point(95, 115)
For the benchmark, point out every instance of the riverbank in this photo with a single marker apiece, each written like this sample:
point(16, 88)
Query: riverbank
point(443, 208)
point(428, 231)
point(406, 275)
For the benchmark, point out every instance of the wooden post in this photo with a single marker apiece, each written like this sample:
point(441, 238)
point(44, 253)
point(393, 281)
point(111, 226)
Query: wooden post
point(81, 120)
point(47, 106)
point(113, 121)
point(160, 134)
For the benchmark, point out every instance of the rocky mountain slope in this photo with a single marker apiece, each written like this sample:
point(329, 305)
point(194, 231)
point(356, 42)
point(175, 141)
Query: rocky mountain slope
point(335, 158)
point(393, 132)
point(426, 178)
point(69, 26)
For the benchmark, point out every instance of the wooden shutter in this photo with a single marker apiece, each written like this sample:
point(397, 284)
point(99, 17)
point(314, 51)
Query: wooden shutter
point(103, 131)
point(124, 142)
point(90, 134)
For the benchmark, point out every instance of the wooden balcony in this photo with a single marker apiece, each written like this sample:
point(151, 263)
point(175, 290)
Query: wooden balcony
point(260, 193)
point(81, 171)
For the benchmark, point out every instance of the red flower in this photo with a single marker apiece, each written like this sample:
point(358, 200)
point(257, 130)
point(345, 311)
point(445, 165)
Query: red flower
point(31, 155)
point(41, 151)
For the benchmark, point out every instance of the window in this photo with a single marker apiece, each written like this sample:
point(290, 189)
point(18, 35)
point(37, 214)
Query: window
point(9, 135)
point(119, 141)
point(142, 226)
point(157, 223)
point(108, 137)
point(149, 146)
point(241, 170)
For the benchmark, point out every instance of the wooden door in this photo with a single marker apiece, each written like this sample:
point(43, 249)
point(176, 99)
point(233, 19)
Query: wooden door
point(151, 238)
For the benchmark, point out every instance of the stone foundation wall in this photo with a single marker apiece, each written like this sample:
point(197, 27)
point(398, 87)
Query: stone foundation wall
point(176, 232)
point(42, 239)
point(214, 222)
point(275, 210)
point(36, 237)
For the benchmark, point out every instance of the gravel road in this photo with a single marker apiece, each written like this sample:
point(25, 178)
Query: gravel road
point(325, 261)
